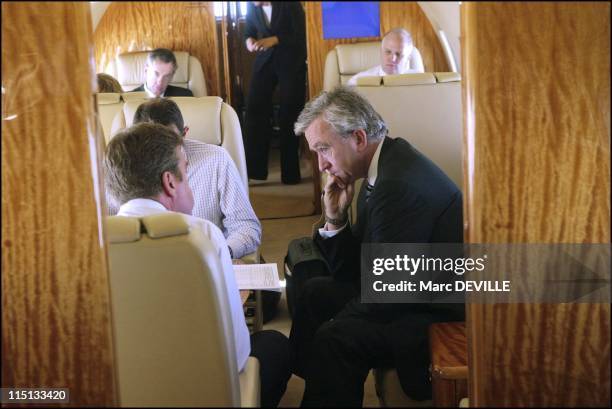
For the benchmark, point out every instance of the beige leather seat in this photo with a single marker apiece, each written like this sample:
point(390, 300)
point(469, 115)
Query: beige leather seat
point(128, 68)
point(430, 117)
point(346, 60)
point(209, 120)
point(170, 317)
point(110, 107)
point(425, 109)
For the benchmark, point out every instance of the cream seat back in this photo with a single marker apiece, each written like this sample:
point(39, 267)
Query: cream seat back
point(110, 106)
point(209, 120)
point(346, 60)
point(129, 69)
point(425, 109)
point(170, 317)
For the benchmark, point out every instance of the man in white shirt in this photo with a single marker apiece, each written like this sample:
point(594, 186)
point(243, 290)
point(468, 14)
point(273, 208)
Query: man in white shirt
point(145, 168)
point(219, 194)
point(398, 56)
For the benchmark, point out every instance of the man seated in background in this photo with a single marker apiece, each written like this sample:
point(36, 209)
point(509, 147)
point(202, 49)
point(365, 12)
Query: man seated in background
point(159, 70)
point(146, 169)
point(219, 194)
point(108, 83)
point(398, 55)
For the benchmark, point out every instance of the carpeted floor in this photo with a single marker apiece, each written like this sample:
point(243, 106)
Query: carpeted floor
point(273, 200)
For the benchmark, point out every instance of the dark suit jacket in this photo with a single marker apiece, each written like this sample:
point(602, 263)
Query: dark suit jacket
point(288, 24)
point(413, 201)
point(171, 91)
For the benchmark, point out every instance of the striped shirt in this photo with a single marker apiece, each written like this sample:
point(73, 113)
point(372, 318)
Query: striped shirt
point(219, 196)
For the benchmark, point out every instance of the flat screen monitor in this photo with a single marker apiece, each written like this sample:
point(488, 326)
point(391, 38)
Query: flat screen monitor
point(350, 19)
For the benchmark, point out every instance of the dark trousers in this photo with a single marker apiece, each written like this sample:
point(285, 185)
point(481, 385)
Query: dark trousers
point(258, 128)
point(333, 350)
point(271, 348)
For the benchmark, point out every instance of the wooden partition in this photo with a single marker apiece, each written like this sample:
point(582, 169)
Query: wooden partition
point(536, 98)
point(56, 325)
point(181, 26)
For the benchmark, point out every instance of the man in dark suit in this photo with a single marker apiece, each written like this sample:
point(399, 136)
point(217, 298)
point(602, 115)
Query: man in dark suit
point(275, 30)
point(405, 198)
point(159, 70)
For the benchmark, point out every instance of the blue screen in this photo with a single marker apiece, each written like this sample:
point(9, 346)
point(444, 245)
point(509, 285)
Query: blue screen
point(350, 19)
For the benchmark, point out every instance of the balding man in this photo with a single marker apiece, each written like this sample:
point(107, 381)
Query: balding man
point(398, 56)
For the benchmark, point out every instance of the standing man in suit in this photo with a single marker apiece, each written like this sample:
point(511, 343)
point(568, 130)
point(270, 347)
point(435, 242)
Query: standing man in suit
point(276, 31)
point(159, 71)
point(406, 198)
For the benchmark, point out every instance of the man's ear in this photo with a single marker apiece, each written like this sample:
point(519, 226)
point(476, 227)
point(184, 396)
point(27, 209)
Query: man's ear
point(169, 184)
point(361, 139)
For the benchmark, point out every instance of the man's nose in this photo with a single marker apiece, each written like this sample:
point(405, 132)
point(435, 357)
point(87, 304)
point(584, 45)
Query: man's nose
point(394, 58)
point(323, 164)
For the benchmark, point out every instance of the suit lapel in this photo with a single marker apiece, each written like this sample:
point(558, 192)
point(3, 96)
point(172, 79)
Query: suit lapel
point(261, 17)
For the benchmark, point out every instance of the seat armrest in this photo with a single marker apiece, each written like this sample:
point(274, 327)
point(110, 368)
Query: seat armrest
point(250, 384)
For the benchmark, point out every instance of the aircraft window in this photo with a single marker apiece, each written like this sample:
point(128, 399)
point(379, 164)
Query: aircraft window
point(218, 7)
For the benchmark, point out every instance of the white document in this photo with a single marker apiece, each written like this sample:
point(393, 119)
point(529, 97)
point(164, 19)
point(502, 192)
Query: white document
point(257, 276)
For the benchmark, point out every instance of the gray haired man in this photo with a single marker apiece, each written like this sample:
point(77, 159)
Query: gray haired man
point(146, 169)
point(336, 340)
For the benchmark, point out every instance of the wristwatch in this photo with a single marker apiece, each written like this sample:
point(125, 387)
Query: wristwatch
point(337, 222)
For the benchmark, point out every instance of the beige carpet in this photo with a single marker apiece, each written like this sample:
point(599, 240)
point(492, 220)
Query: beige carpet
point(273, 200)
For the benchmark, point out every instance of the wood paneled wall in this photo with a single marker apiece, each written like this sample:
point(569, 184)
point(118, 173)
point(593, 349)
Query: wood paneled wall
point(180, 26)
point(406, 14)
point(56, 325)
point(536, 98)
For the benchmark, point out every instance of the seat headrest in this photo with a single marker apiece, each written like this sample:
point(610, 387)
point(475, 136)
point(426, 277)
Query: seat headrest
point(369, 81)
point(165, 225)
point(108, 98)
point(202, 115)
point(395, 80)
point(354, 58)
point(122, 229)
point(447, 76)
point(130, 67)
point(135, 96)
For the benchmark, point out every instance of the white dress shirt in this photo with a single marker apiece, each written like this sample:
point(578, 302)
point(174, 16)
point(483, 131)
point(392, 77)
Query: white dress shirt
point(268, 13)
point(372, 175)
point(219, 196)
point(415, 65)
point(242, 340)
